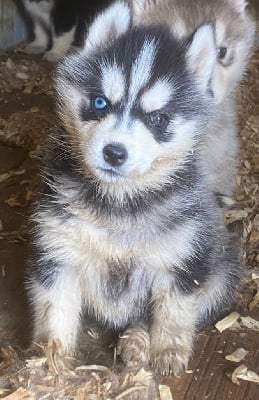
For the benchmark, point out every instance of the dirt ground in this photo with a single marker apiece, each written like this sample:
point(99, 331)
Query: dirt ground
point(26, 111)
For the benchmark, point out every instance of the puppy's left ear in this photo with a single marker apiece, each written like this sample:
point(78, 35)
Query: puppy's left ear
point(139, 7)
point(108, 26)
point(202, 55)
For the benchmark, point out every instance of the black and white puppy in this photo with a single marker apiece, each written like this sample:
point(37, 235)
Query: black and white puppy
point(57, 24)
point(127, 228)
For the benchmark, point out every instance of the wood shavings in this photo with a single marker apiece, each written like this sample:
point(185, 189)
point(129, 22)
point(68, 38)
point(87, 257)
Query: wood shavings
point(255, 300)
point(92, 367)
point(20, 394)
point(227, 322)
point(255, 274)
point(34, 109)
point(256, 222)
point(8, 353)
point(9, 63)
point(237, 356)
point(36, 362)
point(50, 374)
point(128, 392)
point(243, 373)
point(22, 76)
point(3, 272)
point(233, 215)
point(25, 129)
point(13, 202)
point(14, 199)
point(250, 323)
point(13, 235)
point(165, 392)
point(235, 326)
point(29, 195)
point(3, 391)
point(8, 175)
point(28, 88)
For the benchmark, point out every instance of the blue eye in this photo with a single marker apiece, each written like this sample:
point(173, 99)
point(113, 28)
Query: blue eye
point(100, 103)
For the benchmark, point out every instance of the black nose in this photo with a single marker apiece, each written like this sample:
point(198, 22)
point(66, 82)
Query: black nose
point(115, 154)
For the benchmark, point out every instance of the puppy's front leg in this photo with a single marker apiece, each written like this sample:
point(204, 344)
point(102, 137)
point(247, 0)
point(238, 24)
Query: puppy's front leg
point(40, 42)
point(172, 331)
point(57, 311)
point(134, 344)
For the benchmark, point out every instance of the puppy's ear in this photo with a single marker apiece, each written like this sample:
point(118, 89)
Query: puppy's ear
point(108, 26)
point(239, 5)
point(202, 55)
point(139, 7)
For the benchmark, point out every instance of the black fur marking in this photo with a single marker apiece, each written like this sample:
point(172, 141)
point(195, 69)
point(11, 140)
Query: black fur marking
point(222, 199)
point(58, 158)
point(119, 277)
point(233, 273)
point(64, 16)
point(196, 269)
point(138, 282)
point(45, 272)
point(87, 113)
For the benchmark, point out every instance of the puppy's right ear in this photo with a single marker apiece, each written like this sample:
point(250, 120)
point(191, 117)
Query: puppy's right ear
point(108, 26)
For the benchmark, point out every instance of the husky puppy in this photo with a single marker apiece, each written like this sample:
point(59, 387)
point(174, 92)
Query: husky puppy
point(59, 23)
point(235, 32)
point(126, 228)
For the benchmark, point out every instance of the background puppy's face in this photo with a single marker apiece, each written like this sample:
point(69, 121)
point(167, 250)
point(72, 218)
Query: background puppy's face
point(235, 31)
point(132, 109)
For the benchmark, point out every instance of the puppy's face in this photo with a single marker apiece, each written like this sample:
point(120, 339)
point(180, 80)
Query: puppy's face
point(235, 31)
point(133, 109)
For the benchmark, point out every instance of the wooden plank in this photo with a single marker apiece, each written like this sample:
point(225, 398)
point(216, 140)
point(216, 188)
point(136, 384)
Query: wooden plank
point(209, 381)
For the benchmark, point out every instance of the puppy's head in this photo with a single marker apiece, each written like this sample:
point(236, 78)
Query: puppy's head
point(235, 32)
point(134, 99)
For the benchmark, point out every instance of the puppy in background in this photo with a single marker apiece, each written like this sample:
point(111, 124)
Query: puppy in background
point(127, 229)
point(57, 24)
point(235, 33)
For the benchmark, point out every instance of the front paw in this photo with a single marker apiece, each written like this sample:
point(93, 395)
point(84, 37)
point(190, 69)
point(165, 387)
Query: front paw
point(170, 360)
point(133, 346)
point(34, 48)
point(53, 56)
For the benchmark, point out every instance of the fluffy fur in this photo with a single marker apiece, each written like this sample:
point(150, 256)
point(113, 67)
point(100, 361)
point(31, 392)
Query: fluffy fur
point(57, 24)
point(126, 228)
point(235, 31)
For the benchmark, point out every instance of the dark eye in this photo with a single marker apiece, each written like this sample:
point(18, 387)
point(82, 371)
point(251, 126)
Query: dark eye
point(158, 120)
point(222, 52)
point(100, 103)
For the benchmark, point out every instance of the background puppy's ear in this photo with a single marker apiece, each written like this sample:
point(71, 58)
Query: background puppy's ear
point(139, 7)
point(202, 54)
point(239, 5)
point(108, 26)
